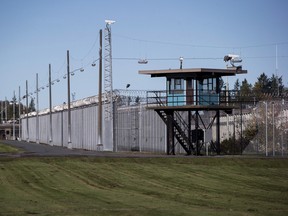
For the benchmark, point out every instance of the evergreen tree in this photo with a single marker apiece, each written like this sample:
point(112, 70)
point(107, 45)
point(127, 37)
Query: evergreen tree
point(263, 83)
point(31, 107)
point(237, 85)
point(275, 85)
point(245, 88)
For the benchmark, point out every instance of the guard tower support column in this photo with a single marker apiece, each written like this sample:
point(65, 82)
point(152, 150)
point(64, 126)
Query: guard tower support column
point(218, 150)
point(170, 133)
point(196, 132)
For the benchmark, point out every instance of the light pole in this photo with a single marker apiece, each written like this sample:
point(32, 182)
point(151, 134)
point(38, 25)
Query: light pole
point(6, 111)
point(1, 113)
point(19, 112)
point(273, 125)
point(50, 106)
point(266, 121)
point(14, 98)
point(282, 129)
point(68, 101)
point(181, 62)
point(37, 110)
point(100, 142)
point(27, 111)
point(69, 98)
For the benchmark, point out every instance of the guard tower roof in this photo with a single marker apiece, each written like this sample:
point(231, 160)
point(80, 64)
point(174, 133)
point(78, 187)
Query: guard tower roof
point(194, 72)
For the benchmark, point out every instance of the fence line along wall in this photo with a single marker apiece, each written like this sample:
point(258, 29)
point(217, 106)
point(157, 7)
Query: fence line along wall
point(83, 129)
point(135, 129)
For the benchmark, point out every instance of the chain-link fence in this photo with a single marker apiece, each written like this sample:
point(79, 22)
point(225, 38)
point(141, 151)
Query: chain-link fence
point(269, 119)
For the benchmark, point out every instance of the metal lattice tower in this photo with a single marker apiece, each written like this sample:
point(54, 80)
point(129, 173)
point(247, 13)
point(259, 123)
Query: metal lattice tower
point(108, 84)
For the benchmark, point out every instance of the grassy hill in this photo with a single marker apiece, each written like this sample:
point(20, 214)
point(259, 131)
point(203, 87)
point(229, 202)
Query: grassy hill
point(143, 186)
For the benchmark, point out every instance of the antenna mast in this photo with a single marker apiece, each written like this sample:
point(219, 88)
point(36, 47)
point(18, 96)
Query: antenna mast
point(276, 71)
point(108, 83)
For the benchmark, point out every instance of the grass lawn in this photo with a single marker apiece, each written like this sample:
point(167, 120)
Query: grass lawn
point(143, 186)
point(4, 148)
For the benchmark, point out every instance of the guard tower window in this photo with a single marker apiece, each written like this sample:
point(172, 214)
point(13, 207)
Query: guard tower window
point(175, 86)
point(178, 84)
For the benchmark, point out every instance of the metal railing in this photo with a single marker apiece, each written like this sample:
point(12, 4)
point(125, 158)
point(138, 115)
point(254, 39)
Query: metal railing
point(183, 98)
point(204, 97)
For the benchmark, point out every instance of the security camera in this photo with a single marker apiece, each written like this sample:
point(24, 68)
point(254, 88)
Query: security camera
point(233, 59)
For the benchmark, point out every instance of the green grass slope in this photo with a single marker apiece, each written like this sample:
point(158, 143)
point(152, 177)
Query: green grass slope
point(143, 186)
point(8, 149)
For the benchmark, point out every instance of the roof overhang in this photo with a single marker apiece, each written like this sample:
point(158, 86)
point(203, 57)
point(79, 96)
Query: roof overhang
point(194, 72)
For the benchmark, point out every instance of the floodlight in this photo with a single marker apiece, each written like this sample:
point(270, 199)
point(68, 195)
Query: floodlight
point(142, 61)
point(109, 22)
point(181, 61)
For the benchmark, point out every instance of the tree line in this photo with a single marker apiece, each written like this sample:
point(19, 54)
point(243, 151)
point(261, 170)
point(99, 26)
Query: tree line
point(6, 109)
point(264, 85)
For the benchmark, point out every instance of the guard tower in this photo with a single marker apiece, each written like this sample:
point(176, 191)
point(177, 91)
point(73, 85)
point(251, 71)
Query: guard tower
point(190, 90)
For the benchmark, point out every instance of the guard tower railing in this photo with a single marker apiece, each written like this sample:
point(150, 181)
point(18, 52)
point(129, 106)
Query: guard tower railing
point(186, 98)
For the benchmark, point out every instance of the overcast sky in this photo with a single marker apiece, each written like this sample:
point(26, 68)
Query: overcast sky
point(36, 33)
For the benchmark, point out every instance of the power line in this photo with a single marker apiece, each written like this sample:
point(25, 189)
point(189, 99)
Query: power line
point(201, 46)
point(171, 43)
point(194, 58)
point(89, 51)
point(94, 44)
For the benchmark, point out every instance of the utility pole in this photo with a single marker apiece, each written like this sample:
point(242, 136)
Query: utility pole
point(282, 129)
point(1, 113)
point(68, 102)
point(14, 101)
point(273, 124)
point(27, 111)
point(266, 140)
point(276, 71)
point(37, 110)
point(100, 93)
point(19, 111)
point(227, 116)
point(50, 106)
point(6, 111)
